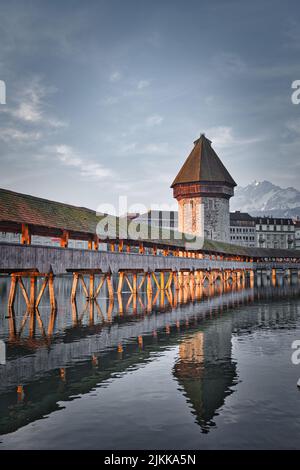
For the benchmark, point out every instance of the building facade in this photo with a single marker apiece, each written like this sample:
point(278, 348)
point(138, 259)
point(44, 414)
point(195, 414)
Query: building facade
point(242, 229)
point(297, 234)
point(275, 232)
point(203, 188)
point(161, 219)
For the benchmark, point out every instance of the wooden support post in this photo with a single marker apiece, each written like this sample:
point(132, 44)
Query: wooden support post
point(74, 286)
point(134, 283)
point(84, 285)
point(51, 322)
point(90, 244)
point(169, 281)
point(96, 243)
point(149, 283)
point(23, 290)
point(142, 281)
point(12, 291)
point(162, 280)
point(91, 287)
point(141, 248)
point(156, 281)
point(91, 311)
point(101, 282)
point(149, 301)
point(121, 245)
point(112, 247)
point(128, 248)
point(109, 285)
point(154, 250)
point(42, 290)
point(175, 280)
point(120, 303)
point(128, 283)
point(192, 280)
point(120, 283)
point(64, 239)
point(32, 292)
point(26, 235)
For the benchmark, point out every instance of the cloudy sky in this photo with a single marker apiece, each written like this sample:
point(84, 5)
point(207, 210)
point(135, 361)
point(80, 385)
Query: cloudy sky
point(105, 98)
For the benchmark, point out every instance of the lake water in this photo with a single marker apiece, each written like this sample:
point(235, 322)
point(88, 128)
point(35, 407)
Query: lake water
point(211, 371)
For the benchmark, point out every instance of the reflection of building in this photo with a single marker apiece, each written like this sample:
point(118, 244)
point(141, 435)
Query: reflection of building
point(190, 362)
point(242, 229)
point(205, 370)
point(275, 232)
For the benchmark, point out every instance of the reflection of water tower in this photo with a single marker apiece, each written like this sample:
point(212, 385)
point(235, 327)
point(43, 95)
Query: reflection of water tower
point(205, 370)
point(190, 362)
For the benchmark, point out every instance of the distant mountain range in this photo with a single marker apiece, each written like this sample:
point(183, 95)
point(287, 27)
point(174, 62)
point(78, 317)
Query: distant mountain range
point(265, 198)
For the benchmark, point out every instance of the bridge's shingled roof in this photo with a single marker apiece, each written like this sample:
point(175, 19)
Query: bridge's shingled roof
point(20, 208)
point(23, 208)
point(203, 165)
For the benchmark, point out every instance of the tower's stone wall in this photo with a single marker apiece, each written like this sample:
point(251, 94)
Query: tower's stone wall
point(208, 216)
point(203, 188)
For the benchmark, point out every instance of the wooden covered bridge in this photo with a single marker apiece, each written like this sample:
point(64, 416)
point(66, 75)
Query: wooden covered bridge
point(167, 261)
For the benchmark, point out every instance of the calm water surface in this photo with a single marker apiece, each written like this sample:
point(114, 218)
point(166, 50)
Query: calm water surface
point(215, 372)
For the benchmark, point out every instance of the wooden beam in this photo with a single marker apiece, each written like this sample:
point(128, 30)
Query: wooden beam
point(96, 243)
point(74, 286)
point(26, 235)
point(64, 239)
point(83, 285)
point(12, 291)
point(41, 292)
point(23, 290)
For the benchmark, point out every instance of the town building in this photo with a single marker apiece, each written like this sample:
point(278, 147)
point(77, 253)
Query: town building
point(159, 218)
point(275, 232)
point(203, 188)
point(297, 234)
point(242, 229)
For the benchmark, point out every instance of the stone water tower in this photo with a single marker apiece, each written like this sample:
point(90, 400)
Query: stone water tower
point(203, 188)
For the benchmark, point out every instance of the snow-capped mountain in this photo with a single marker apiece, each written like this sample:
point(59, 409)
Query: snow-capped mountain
point(265, 198)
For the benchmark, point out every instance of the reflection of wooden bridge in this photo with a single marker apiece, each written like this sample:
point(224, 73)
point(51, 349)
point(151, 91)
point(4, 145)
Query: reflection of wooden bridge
point(40, 331)
point(111, 329)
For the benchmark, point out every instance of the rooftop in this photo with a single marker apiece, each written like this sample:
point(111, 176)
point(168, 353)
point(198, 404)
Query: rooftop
point(203, 165)
point(241, 216)
point(273, 220)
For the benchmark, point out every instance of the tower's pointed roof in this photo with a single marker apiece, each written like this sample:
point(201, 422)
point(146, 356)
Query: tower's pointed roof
point(203, 165)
